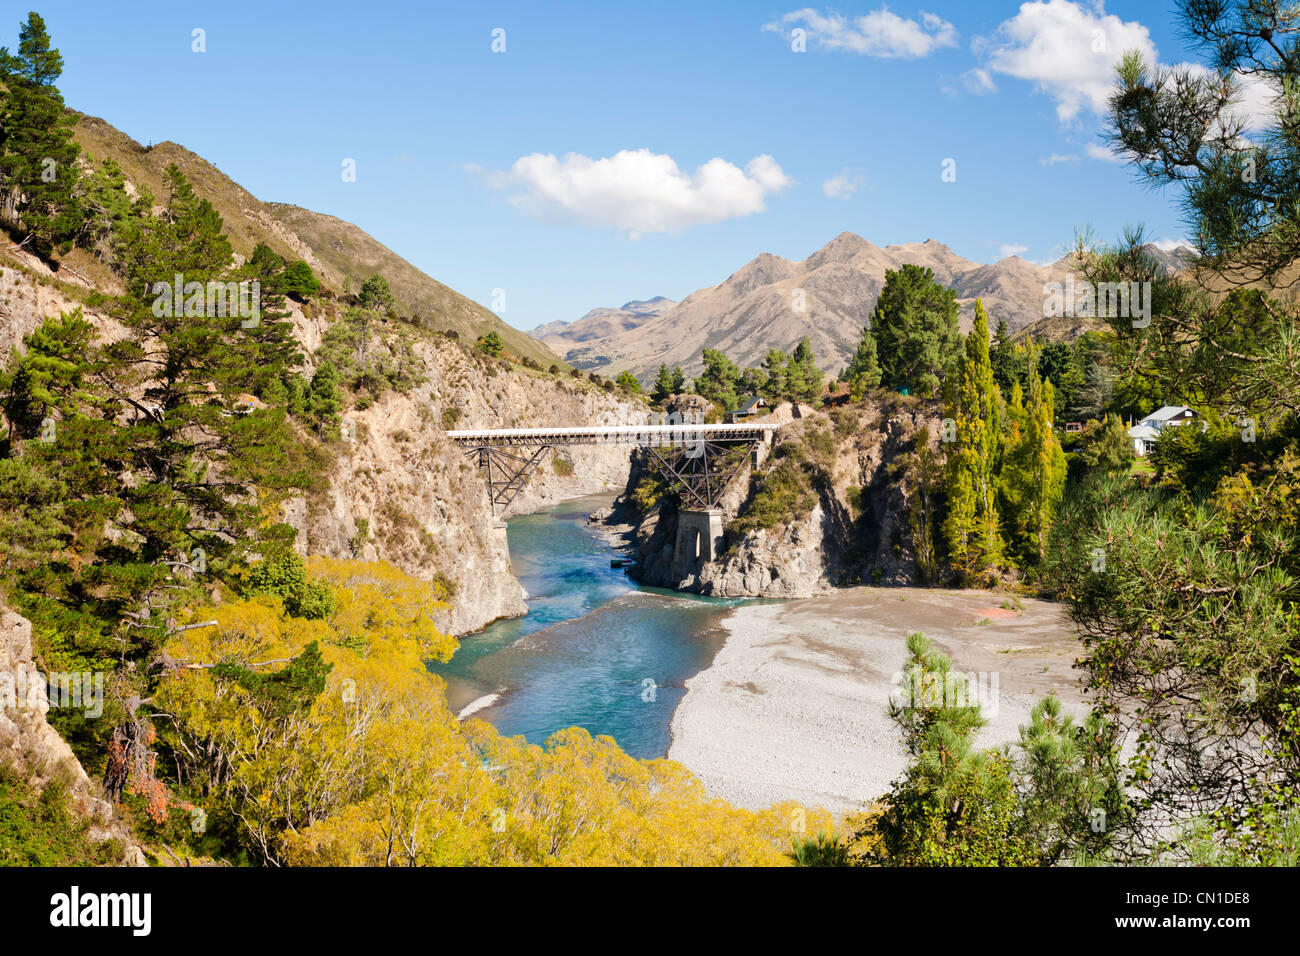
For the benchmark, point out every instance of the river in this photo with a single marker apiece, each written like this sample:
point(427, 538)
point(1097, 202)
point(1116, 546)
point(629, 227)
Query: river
point(595, 650)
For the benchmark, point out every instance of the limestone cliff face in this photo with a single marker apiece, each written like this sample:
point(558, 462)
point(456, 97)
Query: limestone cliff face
point(403, 492)
point(29, 745)
point(857, 529)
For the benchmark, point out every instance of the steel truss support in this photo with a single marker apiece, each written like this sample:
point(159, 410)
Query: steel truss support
point(506, 472)
point(700, 470)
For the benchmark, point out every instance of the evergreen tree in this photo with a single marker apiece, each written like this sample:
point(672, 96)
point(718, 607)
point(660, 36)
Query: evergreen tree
point(491, 344)
point(1035, 469)
point(679, 380)
point(375, 294)
point(38, 171)
point(719, 380)
point(776, 387)
point(753, 381)
point(324, 400)
point(1007, 367)
point(915, 326)
point(662, 390)
point(628, 382)
point(299, 281)
point(863, 371)
point(104, 206)
point(804, 378)
point(971, 528)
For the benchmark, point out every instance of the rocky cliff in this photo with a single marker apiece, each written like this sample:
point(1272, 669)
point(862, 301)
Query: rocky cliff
point(830, 506)
point(33, 749)
point(403, 492)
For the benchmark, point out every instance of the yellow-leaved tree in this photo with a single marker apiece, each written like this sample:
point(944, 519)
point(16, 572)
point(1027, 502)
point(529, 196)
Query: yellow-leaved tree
point(328, 742)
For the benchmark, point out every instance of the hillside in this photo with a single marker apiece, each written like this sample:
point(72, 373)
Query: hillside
point(601, 323)
point(754, 309)
point(336, 250)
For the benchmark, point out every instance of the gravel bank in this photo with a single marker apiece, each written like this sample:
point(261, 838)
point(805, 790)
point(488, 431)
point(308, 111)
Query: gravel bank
point(795, 705)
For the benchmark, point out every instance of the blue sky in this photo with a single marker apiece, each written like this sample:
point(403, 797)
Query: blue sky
point(707, 139)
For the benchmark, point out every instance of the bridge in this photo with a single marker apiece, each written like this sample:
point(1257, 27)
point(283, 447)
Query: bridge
point(698, 460)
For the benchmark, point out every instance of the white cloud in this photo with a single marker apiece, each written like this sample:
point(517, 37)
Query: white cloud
point(842, 185)
point(1069, 51)
point(1103, 153)
point(1066, 50)
point(637, 191)
point(1009, 249)
point(978, 81)
point(974, 81)
point(881, 33)
point(1059, 158)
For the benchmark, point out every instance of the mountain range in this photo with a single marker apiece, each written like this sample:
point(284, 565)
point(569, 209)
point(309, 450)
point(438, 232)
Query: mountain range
point(828, 297)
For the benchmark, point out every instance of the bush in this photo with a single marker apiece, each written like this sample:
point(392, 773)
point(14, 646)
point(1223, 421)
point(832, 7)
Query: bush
point(785, 493)
point(285, 576)
point(38, 829)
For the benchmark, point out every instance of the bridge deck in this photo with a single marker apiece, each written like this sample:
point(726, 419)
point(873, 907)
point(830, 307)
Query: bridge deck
point(612, 435)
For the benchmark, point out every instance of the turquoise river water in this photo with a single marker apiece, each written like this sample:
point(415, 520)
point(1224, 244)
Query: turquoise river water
point(594, 650)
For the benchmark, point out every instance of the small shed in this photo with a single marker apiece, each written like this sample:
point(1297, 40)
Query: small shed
point(748, 409)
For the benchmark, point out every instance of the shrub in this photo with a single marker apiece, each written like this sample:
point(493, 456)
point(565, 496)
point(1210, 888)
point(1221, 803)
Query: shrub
point(285, 576)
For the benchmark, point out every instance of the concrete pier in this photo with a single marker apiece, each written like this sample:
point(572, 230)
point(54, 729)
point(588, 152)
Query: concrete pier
point(699, 540)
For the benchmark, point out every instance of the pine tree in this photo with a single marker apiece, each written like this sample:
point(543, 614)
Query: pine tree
point(104, 206)
point(375, 294)
point(777, 386)
point(662, 390)
point(1007, 367)
point(915, 326)
point(804, 378)
point(718, 380)
point(863, 371)
point(973, 405)
point(38, 171)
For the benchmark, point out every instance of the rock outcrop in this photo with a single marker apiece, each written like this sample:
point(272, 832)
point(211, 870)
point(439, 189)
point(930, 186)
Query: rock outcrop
point(401, 491)
point(857, 529)
point(34, 749)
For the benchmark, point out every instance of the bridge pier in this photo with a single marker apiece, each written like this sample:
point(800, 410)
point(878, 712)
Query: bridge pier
point(699, 540)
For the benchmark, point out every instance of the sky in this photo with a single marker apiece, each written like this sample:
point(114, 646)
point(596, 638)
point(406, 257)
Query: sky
point(546, 159)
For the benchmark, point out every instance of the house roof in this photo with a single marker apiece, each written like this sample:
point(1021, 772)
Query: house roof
point(1167, 412)
point(1143, 431)
point(749, 404)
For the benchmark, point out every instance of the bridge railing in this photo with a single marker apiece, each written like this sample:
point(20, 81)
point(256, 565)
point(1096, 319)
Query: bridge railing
point(651, 435)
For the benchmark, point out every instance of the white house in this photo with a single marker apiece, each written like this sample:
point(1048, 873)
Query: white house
point(1147, 432)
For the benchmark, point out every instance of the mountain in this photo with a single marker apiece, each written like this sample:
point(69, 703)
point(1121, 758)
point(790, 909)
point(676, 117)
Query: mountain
point(336, 250)
point(756, 307)
point(601, 323)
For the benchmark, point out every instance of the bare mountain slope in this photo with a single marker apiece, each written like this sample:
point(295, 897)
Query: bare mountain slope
point(758, 307)
point(336, 250)
point(601, 323)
